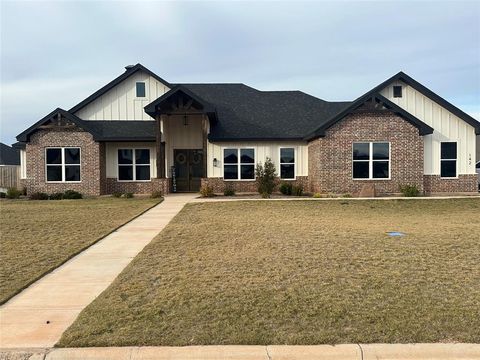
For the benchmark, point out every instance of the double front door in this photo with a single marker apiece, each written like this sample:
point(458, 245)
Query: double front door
point(188, 169)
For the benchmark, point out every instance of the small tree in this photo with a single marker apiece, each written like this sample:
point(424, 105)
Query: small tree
point(266, 175)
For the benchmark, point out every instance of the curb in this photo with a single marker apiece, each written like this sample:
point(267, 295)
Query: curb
point(433, 351)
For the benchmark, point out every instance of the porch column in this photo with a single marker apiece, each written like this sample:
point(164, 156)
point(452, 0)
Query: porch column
point(160, 149)
point(204, 137)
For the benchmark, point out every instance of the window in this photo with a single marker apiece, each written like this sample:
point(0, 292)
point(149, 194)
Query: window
point(62, 164)
point(448, 160)
point(287, 163)
point(237, 167)
point(140, 89)
point(397, 91)
point(371, 160)
point(133, 164)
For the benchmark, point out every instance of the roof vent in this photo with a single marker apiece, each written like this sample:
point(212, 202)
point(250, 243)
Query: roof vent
point(128, 67)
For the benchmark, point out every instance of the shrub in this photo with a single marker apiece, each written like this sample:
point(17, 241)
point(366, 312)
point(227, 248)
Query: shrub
point(117, 194)
point(206, 191)
point(13, 193)
point(297, 190)
point(318, 195)
point(56, 196)
point(156, 194)
point(128, 195)
point(71, 194)
point(38, 196)
point(409, 190)
point(347, 195)
point(229, 190)
point(286, 188)
point(2, 195)
point(265, 178)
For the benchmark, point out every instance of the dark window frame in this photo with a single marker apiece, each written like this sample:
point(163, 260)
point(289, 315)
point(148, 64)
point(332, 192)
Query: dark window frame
point(239, 164)
point(63, 164)
point(371, 161)
point(288, 163)
point(134, 165)
point(137, 89)
point(397, 91)
point(449, 160)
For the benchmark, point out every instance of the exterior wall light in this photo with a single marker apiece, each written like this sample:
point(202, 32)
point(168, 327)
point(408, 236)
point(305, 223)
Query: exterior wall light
point(215, 162)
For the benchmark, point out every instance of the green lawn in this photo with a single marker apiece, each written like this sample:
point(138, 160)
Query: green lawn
point(37, 236)
point(299, 272)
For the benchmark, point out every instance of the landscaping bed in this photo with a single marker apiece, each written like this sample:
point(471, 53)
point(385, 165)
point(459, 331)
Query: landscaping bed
point(38, 236)
point(298, 272)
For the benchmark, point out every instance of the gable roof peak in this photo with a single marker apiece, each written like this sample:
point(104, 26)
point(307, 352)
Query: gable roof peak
point(129, 70)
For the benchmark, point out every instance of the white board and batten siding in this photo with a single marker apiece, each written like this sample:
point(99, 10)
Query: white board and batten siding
point(447, 127)
point(262, 151)
point(121, 102)
point(111, 156)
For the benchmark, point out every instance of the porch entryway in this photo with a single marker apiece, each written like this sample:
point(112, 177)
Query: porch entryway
point(183, 121)
point(188, 170)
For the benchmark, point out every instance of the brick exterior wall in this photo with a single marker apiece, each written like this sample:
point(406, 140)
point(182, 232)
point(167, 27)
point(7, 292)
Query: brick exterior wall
point(137, 187)
point(434, 184)
point(219, 185)
point(330, 162)
point(330, 157)
point(61, 137)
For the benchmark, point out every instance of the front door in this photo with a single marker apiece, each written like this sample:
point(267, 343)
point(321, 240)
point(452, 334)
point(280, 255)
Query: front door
point(188, 169)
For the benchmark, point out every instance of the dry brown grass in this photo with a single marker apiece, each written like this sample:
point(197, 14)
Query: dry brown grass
point(299, 272)
point(37, 236)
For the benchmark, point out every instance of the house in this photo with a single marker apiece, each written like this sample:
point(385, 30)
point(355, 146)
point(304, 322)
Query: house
point(9, 167)
point(9, 156)
point(140, 133)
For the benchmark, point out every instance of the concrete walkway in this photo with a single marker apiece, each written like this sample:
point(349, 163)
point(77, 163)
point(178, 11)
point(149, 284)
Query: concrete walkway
point(37, 317)
point(259, 352)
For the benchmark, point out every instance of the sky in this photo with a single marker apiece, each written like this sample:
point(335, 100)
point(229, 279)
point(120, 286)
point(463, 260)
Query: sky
point(55, 54)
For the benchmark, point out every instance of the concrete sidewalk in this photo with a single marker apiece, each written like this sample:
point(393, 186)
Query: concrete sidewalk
point(259, 352)
point(37, 317)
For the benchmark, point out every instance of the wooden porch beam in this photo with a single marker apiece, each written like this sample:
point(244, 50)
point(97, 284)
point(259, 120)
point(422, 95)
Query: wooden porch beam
point(205, 140)
point(160, 150)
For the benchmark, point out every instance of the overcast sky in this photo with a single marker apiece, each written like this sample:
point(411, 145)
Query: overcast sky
point(54, 54)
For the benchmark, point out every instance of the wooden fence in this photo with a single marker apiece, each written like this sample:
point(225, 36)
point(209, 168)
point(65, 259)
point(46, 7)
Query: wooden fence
point(9, 176)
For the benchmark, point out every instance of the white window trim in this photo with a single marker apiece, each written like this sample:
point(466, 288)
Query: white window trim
point(134, 164)
point(294, 162)
point(456, 161)
point(370, 161)
point(146, 92)
point(239, 163)
point(62, 165)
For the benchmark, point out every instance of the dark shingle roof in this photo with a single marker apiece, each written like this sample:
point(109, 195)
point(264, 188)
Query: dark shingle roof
point(121, 130)
point(101, 130)
point(245, 113)
point(8, 155)
point(239, 112)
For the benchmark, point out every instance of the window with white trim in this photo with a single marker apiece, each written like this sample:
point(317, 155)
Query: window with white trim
point(448, 159)
point(371, 160)
point(287, 163)
point(239, 164)
point(62, 164)
point(134, 164)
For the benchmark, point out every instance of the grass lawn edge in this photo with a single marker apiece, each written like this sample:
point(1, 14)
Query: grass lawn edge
point(4, 301)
